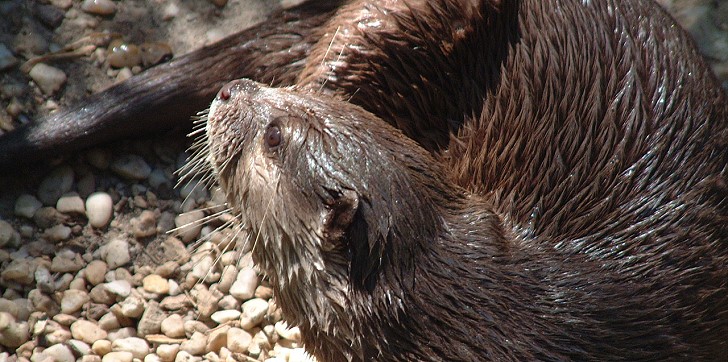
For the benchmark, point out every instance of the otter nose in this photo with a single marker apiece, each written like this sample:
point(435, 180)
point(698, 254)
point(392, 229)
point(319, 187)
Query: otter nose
point(246, 86)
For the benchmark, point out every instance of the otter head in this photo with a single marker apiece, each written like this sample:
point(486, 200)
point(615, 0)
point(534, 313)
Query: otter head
point(335, 202)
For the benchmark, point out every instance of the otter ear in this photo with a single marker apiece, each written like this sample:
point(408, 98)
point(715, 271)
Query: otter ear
point(341, 214)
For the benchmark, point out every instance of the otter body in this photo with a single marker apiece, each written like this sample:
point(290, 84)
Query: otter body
point(556, 190)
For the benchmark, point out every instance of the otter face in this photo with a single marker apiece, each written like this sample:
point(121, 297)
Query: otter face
point(326, 194)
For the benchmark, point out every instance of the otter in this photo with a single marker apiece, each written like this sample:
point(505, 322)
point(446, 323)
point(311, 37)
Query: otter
point(558, 192)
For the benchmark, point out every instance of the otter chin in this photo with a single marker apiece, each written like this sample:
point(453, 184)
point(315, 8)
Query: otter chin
point(377, 254)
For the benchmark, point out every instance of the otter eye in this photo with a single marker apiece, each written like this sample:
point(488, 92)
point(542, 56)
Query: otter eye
point(273, 137)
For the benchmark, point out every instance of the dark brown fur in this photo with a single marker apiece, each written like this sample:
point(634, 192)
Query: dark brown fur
point(583, 213)
point(562, 192)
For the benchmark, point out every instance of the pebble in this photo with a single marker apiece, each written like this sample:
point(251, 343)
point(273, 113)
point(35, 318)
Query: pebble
point(115, 253)
point(98, 7)
point(154, 283)
point(55, 333)
point(245, 284)
point(144, 225)
point(95, 272)
point(132, 307)
point(71, 203)
point(121, 288)
point(123, 55)
point(293, 333)
point(254, 312)
point(101, 294)
point(57, 233)
point(217, 339)
point(238, 340)
point(109, 322)
point(26, 206)
point(99, 158)
point(155, 53)
point(189, 225)
point(131, 167)
point(8, 236)
point(73, 301)
point(49, 79)
point(225, 316)
point(87, 331)
point(120, 356)
point(99, 209)
point(151, 320)
point(43, 303)
point(228, 302)
point(12, 334)
point(59, 353)
point(134, 345)
point(20, 271)
point(44, 280)
point(195, 345)
point(79, 348)
point(173, 326)
point(56, 184)
point(167, 352)
point(121, 333)
point(101, 347)
point(46, 217)
point(67, 261)
point(202, 270)
point(7, 59)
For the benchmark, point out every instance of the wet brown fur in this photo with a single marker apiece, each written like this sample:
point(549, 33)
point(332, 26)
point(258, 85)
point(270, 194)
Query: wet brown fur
point(559, 189)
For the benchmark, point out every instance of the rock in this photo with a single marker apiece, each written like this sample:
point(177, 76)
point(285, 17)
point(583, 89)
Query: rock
point(79, 348)
point(101, 347)
point(71, 203)
point(195, 345)
point(122, 333)
point(73, 301)
point(173, 326)
point(228, 302)
point(19, 271)
point(151, 320)
point(57, 233)
point(26, 206)
point(99, 209)
point(8, 236)
point(238, 340)
point(59, 353)
point(66, 262)
point(99, 7)
point(100, 294)
point(225, 316)
point(217, 339)
point(167, 270)
point(132, 307)
point(46, 217)
point(131, 167)
point(167, 352)
point(43, 303)
point(12, 333)
point(109, 322)
point(189, 225)
point(115, 253)
point(145, 225)
point(55, 185)
point(177, 302)
point(99, 158)
point(122, 288)
point(155, 284)
point(293, 333)
point(245, 284)
point(7, 60)
point(254, 312)
point(95, 272)
point(55, 333)
point(121, 356)
point(206, 302)
point(136, 346)
point(263, 292)
point(49, 79)
point(87, 331)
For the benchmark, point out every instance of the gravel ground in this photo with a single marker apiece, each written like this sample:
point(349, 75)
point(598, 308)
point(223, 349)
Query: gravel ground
point(90, 267)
